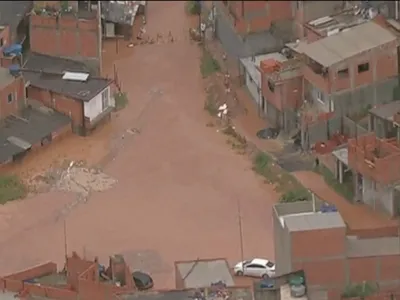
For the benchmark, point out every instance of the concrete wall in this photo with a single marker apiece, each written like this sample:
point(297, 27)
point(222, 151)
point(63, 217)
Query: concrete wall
point(322, 130)
point(67, 36)
point(378, 197)
point(282, 246)
point(350, 102)
point(94, 107)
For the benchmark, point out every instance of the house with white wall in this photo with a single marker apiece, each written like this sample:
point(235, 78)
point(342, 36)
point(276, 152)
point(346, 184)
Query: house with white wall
point(253, 77)
point(66, 86)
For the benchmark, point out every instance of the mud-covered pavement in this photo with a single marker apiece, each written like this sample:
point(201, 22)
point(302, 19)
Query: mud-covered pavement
point(173, 186)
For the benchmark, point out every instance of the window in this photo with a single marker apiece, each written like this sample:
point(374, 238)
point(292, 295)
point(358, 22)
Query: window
point(271, 86)
point(10, 98)
point(344, 73)
point(363, 67)
point(105, 99)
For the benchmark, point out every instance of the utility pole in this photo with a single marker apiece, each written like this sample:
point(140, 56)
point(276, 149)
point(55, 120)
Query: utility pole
point(100, 32)
point(239, 212)
point(65, 240)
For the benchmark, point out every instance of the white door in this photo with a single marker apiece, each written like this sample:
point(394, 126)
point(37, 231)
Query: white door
point(253, 270)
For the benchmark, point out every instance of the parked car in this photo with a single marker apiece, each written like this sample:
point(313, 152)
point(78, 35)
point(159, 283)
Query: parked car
point(257, 267)
point(142, 280)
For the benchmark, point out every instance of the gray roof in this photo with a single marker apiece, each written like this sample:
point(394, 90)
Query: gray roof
point(313, 221)
point(386, 111)
point(203, 273)
point(12, 12)
point(120, 13)
point(5, 77)
point(45, 72)
point(31, 127)
point(346, 44)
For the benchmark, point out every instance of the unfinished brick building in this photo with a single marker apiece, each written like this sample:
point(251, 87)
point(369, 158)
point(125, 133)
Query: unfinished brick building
point(79, 280)
point(354, 249)
point(67, 32)
point(254, 16)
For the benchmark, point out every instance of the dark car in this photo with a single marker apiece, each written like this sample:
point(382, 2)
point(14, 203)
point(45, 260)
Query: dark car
point(268, 133)
point(142, 280)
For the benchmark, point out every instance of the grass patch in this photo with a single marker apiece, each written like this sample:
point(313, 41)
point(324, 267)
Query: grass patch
point(345, 189)
point(210, 105)
point(121, 100)
point(193, 7)
point(208, 65)
point(11, 188)
point(285, 183)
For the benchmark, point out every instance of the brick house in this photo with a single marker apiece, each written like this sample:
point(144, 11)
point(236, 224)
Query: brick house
point(12, 97)
point(358, 248)
point(22, 127)
point(67, 32)
point(14, 26)
point(81, 279)
point(274, 81)
point(254, 16)
point(346, 71)
point(84, 98)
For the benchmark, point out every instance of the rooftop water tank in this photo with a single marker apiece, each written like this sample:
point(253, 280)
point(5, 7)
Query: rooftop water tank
point(327, 208)
point(15, 70)
point(15, 49)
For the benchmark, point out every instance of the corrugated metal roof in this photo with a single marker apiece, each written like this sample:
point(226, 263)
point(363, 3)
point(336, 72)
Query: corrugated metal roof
point(313, 221)
point(386, 111)
point(336, 48)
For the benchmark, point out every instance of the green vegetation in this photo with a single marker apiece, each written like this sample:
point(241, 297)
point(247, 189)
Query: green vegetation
point(345, 189)
point(121, 100)
point(300, 194)
point(208, 65)
point(210, 105)
point(11, 188)
point(193, 7)
point(360, 290)
point(284, 182)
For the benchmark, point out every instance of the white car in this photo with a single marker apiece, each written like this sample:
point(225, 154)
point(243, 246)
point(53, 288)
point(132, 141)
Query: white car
point(256, 267)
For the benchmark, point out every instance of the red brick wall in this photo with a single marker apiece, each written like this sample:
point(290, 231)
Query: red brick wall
point(332, 246)
point(317, 275)
point(5, 34)
point(18, 89)
point(274, 11)
point(67, 37)
point(69, 107)
point(385, 62)
point(41, 270)
point(384, 170)
point(75, 267)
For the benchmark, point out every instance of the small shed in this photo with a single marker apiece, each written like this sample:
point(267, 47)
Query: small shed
point(202, 273)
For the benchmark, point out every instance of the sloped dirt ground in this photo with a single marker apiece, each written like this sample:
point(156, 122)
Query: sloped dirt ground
point(175, 186)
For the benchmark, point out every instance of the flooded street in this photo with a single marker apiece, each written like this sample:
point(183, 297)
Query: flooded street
point(171, 184)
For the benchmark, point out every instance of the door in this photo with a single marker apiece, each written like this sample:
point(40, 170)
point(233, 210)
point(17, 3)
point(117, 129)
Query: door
point(255, 270)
